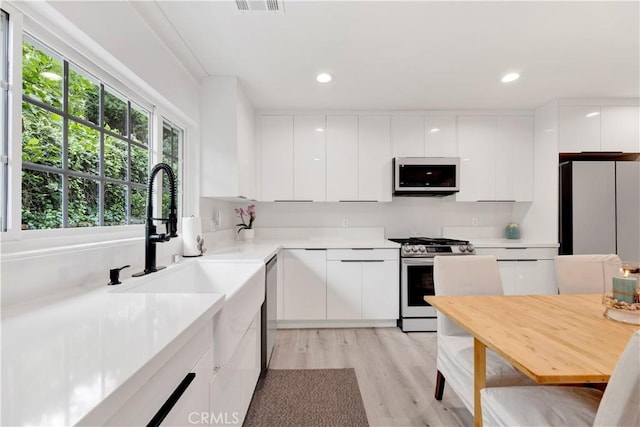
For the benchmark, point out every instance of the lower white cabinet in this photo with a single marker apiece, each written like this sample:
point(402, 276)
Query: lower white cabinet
point(305, 284)
point(528, 277)
point(381, 290)
point(344, 290)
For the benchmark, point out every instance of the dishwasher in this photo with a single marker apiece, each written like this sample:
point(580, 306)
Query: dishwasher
point(269, 312)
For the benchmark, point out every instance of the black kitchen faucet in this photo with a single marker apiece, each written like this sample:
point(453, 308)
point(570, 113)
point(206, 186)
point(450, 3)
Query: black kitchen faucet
point(151, 235)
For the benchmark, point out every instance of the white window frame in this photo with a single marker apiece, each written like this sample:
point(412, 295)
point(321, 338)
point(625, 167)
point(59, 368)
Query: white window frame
point(84, 53)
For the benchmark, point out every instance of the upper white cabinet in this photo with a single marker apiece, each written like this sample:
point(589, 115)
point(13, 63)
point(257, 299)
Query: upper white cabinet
point(620, 128)
point(598, 128)
point(342, 158)
point(276, 134)
point(496, 158)
point(407, 136)
point(227, 146)
point(309, 158)
point(440, 136)
point(374, 159)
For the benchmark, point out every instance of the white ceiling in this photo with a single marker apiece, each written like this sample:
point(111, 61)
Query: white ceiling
point(395, 55)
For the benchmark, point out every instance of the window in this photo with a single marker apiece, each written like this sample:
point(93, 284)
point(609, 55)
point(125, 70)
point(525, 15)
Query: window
point(171, 154)
point(4, 117)
point(85, 147)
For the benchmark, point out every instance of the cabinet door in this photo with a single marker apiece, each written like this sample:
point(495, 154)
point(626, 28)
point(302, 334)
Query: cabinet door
point(374, 159)
point(514, 159)
point(628, 210)
point(344, 290)
point(342, 158)
point(309, 164)
point(533, 277)
point(578, 128)
point(380, 290)
point(476, 146)
point(507, 275)
point(620, 129)
point(277, 157)
point(305, 284)
point(440, 136)
point(407, 136)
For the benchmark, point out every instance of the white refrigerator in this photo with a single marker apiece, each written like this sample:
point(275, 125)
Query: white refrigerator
point(600, 208)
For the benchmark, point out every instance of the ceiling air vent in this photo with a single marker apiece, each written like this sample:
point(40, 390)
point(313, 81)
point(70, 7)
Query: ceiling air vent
point(270, 6)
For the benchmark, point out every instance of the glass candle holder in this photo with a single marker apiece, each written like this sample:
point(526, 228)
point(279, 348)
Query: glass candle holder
point(621, 296)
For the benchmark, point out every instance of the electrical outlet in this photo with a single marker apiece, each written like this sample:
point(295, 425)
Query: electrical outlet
point(217, 220)
point(474, 222)
point(345, 222)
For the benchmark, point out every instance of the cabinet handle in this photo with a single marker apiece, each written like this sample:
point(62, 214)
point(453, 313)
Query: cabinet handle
point(519, 260)
point(290, 201)
point(315, 249)
point(515, 248)
point(171, 401)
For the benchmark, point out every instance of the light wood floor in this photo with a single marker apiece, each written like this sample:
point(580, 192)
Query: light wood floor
point(396, 371)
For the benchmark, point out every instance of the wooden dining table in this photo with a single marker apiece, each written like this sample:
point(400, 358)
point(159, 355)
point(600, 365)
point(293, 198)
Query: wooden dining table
point(553, 339)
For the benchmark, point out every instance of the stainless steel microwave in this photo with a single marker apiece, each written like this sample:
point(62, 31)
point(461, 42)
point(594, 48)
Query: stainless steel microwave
point(426, 176)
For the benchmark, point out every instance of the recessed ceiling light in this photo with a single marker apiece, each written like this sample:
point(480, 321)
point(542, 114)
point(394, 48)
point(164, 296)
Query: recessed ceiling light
point(51, 76)
point(592, 114)
point(511, 77)
point(434, 130)
point(319, 130)
point(323, 78)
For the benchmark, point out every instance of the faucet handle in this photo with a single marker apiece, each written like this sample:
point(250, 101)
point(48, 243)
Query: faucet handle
point(114, 275)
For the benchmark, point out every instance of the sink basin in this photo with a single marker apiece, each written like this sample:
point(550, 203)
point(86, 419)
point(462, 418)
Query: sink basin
point(242, 283)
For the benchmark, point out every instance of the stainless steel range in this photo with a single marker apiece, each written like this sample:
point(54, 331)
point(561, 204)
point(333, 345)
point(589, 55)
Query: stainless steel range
point(416, 278)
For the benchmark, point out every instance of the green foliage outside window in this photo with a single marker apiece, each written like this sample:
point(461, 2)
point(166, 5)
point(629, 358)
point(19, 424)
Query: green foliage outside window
point(97, 185)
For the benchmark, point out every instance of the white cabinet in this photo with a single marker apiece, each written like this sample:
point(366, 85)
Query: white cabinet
point(305, 284)
point(620, 128)
point(476, 146)
point(528, 276)
point(362, 284)
point(342, 158)
point(309, 161)
point(598, 128)
point(344, 290)
point(227, 150)
point(374, 159)
point(276, 171)
point(440, 136)
point(496, 156)
point(407, 136)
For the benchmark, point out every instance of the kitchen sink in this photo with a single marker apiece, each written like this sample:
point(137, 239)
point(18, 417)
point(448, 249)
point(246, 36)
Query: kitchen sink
point(242, 283)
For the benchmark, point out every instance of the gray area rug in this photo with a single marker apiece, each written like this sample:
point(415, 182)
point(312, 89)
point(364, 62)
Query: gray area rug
point(307, 397)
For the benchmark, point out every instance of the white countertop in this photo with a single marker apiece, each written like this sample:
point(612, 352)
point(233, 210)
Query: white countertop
point(62, 360)
point(64, 357)
point(511, 243)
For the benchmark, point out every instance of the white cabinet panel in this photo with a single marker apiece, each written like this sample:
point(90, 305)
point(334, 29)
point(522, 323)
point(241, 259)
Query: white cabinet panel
point(277, 157)
point(528, 276)
point(628, 210)
point(305, 284)
point(476, 146)
point(374, 159)
point(578, 128)
point(309, 165)
point(407, 136)
point(380, 290)
point(620, 129)
point(514, 158)
point(342, 158)
point(440, 136)
point(344, 290)
point(508, 274)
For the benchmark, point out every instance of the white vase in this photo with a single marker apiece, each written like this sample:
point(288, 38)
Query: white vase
point(248, 234)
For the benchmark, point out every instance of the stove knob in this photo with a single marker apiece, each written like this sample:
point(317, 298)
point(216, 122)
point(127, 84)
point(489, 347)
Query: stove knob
point(406, 248)
point(470, 247)
point(421, 248)
point(414, 249)
point(462, 248)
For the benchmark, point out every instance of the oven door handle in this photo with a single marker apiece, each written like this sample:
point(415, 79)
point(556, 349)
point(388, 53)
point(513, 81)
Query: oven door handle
point(417, 261)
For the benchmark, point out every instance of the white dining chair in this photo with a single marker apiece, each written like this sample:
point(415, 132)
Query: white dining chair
point(571, 406)
point(467, 275)
point(585, 274)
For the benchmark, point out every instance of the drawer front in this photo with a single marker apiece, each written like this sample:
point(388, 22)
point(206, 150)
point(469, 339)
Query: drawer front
point(519, 253)
point(362, 254)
